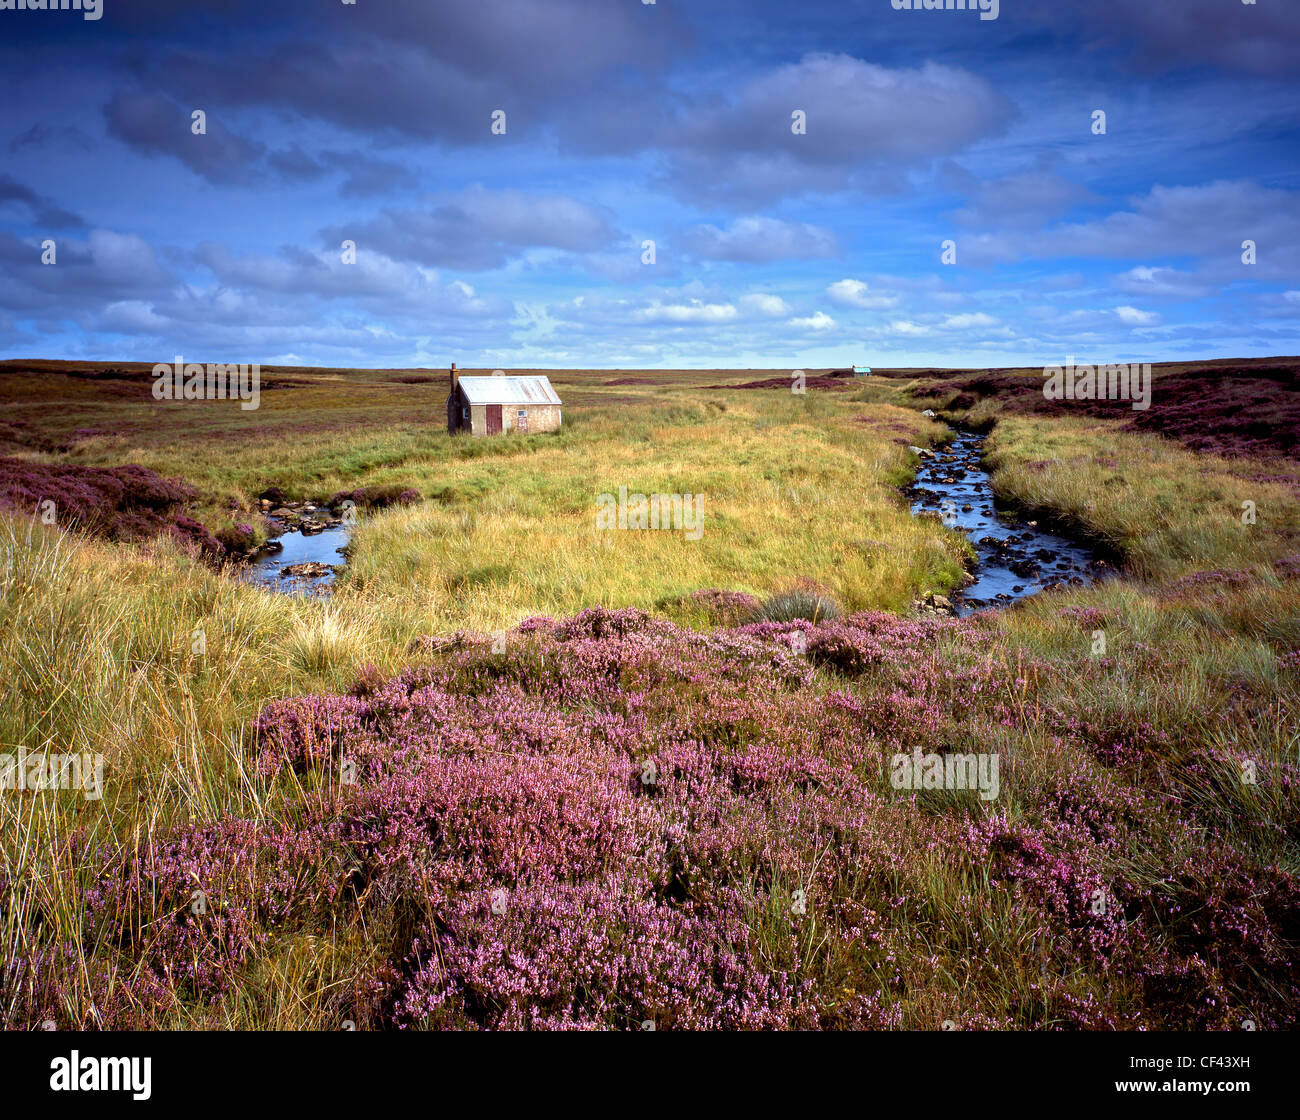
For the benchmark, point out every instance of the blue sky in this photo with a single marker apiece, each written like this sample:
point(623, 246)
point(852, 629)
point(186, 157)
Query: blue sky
point(628, 122)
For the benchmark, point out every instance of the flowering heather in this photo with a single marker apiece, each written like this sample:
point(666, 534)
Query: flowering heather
point(1289, 566)
point(614, 820)
point(592, 956)
point(128, 503)
point(1195, 581)
point(191, 908)
point(1088, 618)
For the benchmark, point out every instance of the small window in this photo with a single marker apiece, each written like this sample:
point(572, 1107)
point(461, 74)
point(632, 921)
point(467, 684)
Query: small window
point(522, 414)
point(464, 413)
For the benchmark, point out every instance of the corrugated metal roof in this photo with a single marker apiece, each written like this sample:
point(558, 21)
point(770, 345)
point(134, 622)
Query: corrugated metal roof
point(532, 389)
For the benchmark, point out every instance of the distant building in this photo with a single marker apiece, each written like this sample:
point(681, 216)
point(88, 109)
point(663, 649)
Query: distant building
point(861, 371)
point(491, 406)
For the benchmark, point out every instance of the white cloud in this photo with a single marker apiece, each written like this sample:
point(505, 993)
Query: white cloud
point(694, 312)
point(967, 320)
point(763, 303)
point(854, 293)
point(132, 316)
point(906, 327)
point(1155, 282)
point(1136, 318)
point(817, 321)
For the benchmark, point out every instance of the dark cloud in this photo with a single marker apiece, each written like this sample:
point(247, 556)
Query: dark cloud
point(1257, 38)
point(155, 125)
point(480, 229)
point(292, 164)
point(365, 176)
point(866, 126)
point(418, 70)
point(42, 135)
point(41, 210)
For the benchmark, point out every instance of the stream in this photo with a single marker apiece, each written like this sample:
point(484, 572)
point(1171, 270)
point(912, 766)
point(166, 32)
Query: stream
point(300, 563)
point(1014, 558)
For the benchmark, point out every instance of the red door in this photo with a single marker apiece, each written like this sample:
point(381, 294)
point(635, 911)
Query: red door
point(494, 419)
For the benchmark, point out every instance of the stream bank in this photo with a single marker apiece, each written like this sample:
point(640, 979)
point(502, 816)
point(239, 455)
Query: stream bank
point(1015, 557)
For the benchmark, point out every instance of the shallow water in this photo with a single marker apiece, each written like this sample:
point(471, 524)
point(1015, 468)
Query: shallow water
point(1014, 558)
point(325, 547)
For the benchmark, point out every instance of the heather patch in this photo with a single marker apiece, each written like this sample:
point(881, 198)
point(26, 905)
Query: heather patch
point(128, 503)
point(1227, 953)
point(192, 908)
point(611, 820)
point(1060, 869)
point(1088, 618)
point(592, 957)
point(573, 768)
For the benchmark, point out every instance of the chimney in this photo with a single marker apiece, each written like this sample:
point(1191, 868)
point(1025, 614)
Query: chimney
point(455, 378)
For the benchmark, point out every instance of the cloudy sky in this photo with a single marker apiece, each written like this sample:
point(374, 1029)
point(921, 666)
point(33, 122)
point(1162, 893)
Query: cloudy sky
point(621, 122)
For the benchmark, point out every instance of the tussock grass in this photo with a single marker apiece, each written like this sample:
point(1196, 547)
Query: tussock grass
point(1164, 509)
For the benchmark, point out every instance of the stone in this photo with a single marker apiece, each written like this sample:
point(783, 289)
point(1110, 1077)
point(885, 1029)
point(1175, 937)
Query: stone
point(311, 569)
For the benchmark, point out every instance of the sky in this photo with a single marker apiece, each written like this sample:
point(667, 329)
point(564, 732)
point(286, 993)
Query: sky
point(622, 184)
